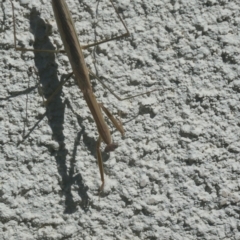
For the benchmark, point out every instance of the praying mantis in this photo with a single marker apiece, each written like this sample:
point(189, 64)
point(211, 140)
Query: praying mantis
point(74, 52)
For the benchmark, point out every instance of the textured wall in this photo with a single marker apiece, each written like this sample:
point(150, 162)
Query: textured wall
point(176, 173)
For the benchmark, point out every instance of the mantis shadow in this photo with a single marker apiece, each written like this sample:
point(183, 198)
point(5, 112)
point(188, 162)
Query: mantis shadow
point(47, 72)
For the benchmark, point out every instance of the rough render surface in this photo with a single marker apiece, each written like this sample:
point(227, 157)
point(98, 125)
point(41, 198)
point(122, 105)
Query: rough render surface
point(176, 173)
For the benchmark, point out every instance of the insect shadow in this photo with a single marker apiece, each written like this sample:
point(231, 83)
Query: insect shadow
point(47, 72)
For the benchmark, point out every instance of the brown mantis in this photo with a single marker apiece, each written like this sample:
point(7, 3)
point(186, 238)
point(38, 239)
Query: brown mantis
point(74, 52)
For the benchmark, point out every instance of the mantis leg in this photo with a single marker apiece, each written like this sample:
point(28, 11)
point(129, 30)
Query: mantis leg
point(126, 34)
point(100, 163)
